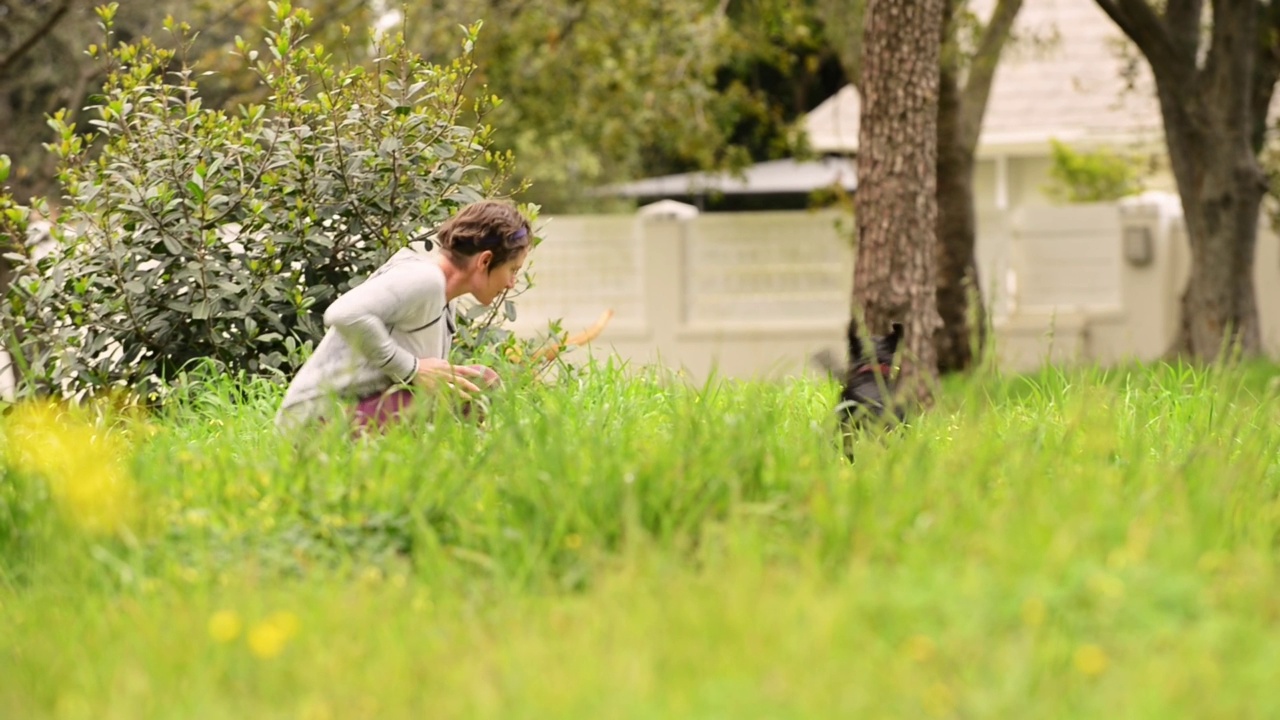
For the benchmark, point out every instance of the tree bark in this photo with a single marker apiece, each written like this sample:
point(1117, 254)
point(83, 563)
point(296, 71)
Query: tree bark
point(1221, 200)
point(960, 112)
point(957, 284)
point(897, 204)
point(962, 106)
point(1210, 140)
point(1214, 112)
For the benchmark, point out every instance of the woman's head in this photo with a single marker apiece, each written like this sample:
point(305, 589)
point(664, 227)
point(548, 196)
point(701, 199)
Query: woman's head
point(488, 241)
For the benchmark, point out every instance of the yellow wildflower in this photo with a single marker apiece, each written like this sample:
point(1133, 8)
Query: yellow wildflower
point(919, 648)
point(1033, 612)
point(1107, 586)
point(224, 626)
point(82, 464)
point(286, 621)
point(1091, 660)
point(268, 638)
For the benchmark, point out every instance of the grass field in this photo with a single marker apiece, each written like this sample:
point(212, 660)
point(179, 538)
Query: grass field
point(1079, 544)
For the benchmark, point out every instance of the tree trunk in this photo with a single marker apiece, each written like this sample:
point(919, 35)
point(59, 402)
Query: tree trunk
point(1214, 104)
point(1221, 185)
point(960, 113)
point(897, 205)
point(958, 288)
point(1210, 136)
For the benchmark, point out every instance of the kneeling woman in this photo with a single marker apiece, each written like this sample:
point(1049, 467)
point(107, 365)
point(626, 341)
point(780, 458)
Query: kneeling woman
point(396, 328)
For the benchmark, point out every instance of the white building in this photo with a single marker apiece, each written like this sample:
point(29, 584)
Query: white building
point(1069, 74)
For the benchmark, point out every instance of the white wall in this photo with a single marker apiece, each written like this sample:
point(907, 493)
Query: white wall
point(756, 294)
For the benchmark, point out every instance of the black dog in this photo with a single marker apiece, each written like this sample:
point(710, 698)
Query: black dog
point(869, 385)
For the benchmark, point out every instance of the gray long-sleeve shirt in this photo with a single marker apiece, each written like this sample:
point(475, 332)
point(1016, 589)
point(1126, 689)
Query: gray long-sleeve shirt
point(376, 333)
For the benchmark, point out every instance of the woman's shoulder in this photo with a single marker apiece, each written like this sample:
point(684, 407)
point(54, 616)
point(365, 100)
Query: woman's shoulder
point(407, 264)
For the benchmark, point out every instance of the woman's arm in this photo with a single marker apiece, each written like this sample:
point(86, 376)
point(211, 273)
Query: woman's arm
point(365, 315)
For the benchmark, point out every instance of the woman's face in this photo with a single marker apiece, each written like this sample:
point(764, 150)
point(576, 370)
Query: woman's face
point(488, 283)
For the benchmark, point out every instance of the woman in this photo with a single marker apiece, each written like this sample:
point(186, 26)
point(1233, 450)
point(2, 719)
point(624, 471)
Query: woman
point(396, 328)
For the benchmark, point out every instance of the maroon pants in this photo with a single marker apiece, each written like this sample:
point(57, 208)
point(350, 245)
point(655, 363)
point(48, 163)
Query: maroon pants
point(378, 411)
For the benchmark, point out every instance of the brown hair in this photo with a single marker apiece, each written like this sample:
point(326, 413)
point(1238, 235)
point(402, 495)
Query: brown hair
point(491, 225)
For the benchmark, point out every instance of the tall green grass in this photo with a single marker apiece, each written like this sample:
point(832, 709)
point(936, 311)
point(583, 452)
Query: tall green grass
point(1065, 544)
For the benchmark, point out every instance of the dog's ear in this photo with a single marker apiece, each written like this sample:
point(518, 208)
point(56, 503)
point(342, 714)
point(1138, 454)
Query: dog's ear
point(893, 338)
point(855, 344)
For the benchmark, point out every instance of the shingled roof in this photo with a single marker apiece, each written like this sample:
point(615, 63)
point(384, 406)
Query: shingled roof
point(1063, 77)
point(770, 177)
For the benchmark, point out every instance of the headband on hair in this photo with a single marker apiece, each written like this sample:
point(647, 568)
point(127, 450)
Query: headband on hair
point(497, 239)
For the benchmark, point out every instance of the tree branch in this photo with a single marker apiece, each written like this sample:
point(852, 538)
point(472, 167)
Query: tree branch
point(1228, 73)
point(342, 13)
point(225, 15)
point(1266, 72)
point(982, 71)
point(842, 22)
point(25, 46)
point(1182, 20)
point(1144, 27)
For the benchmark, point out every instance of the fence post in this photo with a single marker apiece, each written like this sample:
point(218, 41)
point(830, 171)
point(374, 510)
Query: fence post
point(662, 227)
point(1152, 271)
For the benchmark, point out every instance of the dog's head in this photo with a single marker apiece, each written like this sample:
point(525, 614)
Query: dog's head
point(883, 347)
point(869, 386)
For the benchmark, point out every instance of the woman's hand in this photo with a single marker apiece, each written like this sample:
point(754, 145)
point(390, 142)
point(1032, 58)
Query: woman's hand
point(435, 374)
point(488, 377)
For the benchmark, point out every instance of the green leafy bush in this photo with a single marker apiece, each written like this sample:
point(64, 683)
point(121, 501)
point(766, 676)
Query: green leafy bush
point(15, 224)
point(193, 233)
point(1092, 176)
point(13, 216)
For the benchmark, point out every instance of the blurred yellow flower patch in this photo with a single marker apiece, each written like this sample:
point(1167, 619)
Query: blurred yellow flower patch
point(920, 648)
point(1091, 660)
point(268, 638)
point(224, 626)
point(1034, 612)
point(84, 465)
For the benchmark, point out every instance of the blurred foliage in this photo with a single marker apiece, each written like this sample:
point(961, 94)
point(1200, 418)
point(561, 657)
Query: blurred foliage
point(596, 92)
point(1090, 176)
point(194, 233)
